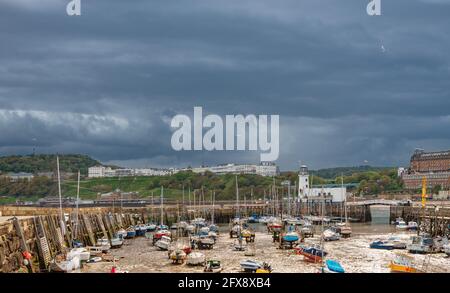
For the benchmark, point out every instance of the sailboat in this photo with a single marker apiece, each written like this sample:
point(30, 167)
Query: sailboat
point(344, 228)
point(162, 237)
point(66, 262)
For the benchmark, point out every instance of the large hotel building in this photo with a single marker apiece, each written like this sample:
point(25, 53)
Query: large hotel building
point(434, 166)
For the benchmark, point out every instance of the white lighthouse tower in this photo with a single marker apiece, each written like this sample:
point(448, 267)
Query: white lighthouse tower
point(303, 182)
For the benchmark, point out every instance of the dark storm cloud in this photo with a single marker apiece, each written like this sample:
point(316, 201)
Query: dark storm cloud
point(107, 83)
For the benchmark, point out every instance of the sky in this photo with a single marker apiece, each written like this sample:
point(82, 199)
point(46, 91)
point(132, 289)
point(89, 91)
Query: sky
point(350, 89)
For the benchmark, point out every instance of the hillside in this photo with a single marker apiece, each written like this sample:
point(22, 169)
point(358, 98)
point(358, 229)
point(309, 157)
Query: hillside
point(331, 173)
point(46, 163)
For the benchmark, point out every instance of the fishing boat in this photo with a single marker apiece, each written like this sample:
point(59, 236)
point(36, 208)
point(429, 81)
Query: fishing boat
point(401, 225)
point(307, 231)
point(332, 266)
point(413, 226)
point(151, 227)
point(402, 263)
point(381, 244)
point(163, 243)
point(199, 222)
point(253, 219)
point(103, 244)
point(195, 259)
point(131, 232)
point(420, 244)
point(213, 266)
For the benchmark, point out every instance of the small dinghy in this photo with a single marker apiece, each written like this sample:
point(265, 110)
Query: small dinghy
point(151, 227)
point(330, 235)
point(82, 253)
point(122, 233)
point(311, 254)
point(195, 259)
point(178, 256)
point(251, 266)
point(291, 237)
point(131, 232)
point(413, 226)
point(332, 266)
point(103, 244)
point(163, 243)
point(117, 241)
point(213, 266)
point(381, 244)
point(402, 263)
point(401, 226)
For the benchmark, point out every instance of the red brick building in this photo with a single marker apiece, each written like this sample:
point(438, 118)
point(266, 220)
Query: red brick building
point(434, 166)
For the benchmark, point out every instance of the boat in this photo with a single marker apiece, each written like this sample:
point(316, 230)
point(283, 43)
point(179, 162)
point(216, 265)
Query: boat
point(199, 222)
point(332, 266)
point(131, 232)
point(151, 227)
point(446, 248)
point(103, 244)
point(161, 233)
point(203, 231)
point(330, 235)
point(253, 219)
point(397, 221)
point(162, 227)
point(190, 228)
point(174, 226)
point(401, 225)
point(213, 266)
point(307, 231)
point(291, 237)
point(402, 264)
point(382, 244)
point(122, 233)
point(274, 226)
point(117, 241)
point(413, 226)
point(82, 253)
point(311, 254)
point(251, 266)
point(163, 243)
point(205, 243)
point(235, 230)
point(397, 242)
point(195, 259)
point(65, 266)
point(420, 244)
point(214, 228)
point(239, 245)
point(178, 256)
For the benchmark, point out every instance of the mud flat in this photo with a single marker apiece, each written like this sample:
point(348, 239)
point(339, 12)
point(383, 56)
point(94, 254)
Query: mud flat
point(139, 256)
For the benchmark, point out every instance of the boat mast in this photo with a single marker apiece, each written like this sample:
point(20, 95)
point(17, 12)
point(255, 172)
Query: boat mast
point(345, 199)
point(162, 204)
point(60, 199)
point(237, 199)
point(76, 210)
point(213, 202)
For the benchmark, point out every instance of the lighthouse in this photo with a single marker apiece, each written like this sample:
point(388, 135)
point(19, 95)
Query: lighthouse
point(303, 182)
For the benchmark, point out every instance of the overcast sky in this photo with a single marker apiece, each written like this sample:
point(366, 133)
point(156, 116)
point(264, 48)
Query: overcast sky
point(350, 89)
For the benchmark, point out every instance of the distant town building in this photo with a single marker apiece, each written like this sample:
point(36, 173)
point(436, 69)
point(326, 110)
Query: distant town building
point(263, 169)
point(306, 192)
point(101, 171)
point(434, 166)
point(19, 176)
